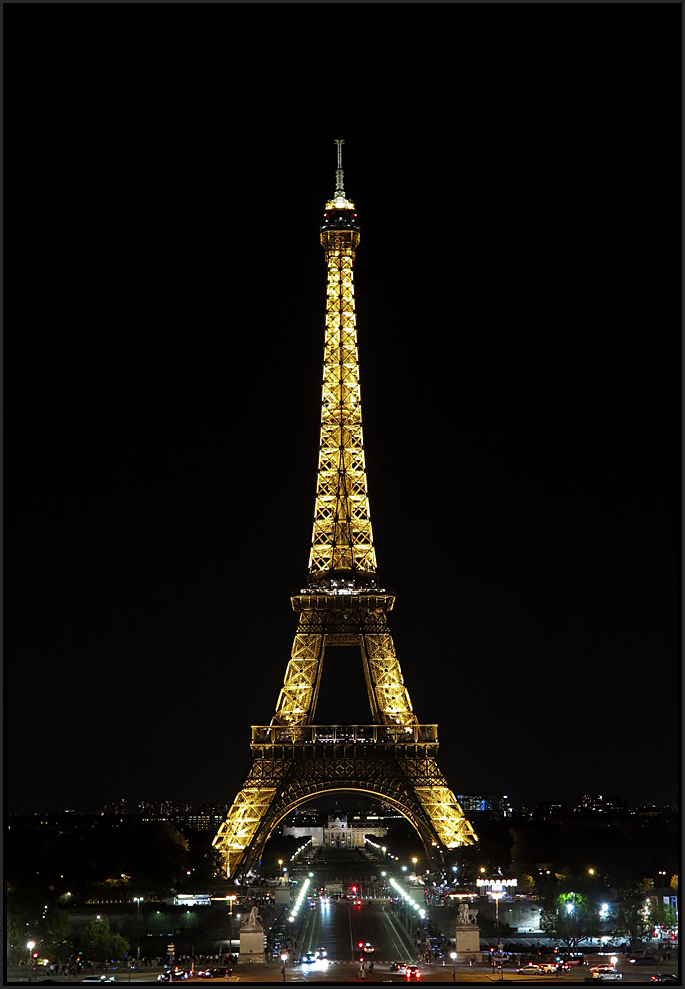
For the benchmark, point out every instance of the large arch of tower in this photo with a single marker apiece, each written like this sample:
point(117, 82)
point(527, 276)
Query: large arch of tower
point(286, 803)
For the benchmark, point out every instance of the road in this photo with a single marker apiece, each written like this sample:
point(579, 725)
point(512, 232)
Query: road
point(339, 926)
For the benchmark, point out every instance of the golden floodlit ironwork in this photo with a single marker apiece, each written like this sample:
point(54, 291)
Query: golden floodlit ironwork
point(393, 759)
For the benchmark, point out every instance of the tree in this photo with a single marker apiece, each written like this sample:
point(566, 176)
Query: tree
point(526, 884)
point(55, 935)
point(99, 944)
point(118, 948)
point(645, 885)
point(570, 917)
point(674, 882)
point(24, 912)
point(661, 914)
point(632, 920)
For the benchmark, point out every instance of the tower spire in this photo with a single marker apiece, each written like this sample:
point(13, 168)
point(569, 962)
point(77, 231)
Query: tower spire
point(339, 201)
point(339, 180)
point(342, 541)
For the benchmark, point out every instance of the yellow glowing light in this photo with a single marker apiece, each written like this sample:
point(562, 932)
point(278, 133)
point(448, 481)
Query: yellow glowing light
point(342, 562)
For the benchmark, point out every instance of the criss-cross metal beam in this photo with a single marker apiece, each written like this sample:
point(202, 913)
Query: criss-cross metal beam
point(342, 604)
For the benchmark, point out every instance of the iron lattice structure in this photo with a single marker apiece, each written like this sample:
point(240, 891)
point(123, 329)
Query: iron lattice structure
point(394, 758)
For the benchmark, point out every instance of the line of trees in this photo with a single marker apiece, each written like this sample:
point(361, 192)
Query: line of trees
point(570, 914)
point(28, 919)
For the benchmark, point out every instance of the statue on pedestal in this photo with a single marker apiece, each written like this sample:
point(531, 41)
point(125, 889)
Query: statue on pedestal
point(252, 922)
point(252, 940)
point(467, 915)
point(467, 934)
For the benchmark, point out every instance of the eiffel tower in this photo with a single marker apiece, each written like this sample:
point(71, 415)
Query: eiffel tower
point(394, 757)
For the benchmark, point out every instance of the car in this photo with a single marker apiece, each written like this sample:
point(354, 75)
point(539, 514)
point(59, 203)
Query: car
point(548, 968)
point(529, 969)
point(367, 948)
point(399, 967)
point(309, 958)
point(98, 978)
point(321, 953)
point(642, 959)
point(413, 972)
point(605, 973)
point(667, 977)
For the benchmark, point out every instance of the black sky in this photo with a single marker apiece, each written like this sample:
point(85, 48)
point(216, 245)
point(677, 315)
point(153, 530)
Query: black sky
point(518, 311)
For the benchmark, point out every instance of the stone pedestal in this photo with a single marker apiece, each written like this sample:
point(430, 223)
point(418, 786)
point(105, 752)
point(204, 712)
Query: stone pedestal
point(251, 945)
point(467, 941)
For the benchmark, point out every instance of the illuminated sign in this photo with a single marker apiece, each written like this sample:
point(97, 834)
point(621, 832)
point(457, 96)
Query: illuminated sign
point(497, 885)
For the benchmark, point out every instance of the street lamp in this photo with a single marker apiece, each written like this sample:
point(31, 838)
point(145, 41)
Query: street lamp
point(571, 908)
point(453, 956)
point(138, 900)
point(231, 898)
point(496, 897)
point(30, 945)
point(284, 959)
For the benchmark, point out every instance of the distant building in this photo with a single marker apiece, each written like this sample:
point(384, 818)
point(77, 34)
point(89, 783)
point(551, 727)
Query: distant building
point(494, 803)
point(474, 801)
point(337, 833)
point(598, 804)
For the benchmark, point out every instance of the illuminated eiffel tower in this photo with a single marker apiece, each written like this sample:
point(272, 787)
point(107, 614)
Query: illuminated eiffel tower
point(295, 759)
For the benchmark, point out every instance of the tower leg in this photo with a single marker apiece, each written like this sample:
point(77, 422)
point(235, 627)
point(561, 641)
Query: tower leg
point(290, 776)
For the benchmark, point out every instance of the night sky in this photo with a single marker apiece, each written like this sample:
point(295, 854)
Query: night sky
point(518, 308)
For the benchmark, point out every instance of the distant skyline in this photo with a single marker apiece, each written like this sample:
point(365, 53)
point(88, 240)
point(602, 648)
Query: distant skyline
point(518, 310)
point(133, 807)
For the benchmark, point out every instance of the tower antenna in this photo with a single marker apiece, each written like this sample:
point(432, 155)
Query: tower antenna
point(339, 185)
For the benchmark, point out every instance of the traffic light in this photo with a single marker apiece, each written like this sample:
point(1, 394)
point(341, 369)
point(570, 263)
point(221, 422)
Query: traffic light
point(35, 954)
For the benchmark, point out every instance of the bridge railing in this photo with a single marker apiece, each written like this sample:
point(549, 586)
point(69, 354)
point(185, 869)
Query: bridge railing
point(344, 734)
